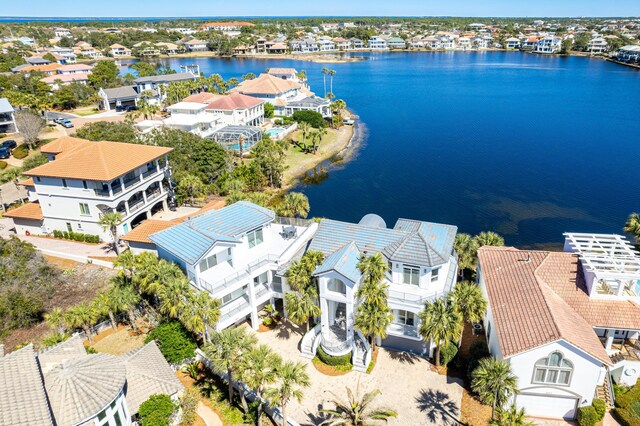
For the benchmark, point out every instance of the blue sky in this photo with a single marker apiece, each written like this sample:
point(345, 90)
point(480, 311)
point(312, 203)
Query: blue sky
point(197, 8)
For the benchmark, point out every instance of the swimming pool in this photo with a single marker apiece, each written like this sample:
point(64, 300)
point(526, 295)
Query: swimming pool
point(275, 132)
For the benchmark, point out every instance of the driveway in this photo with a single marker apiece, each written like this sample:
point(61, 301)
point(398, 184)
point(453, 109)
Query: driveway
point(419, 395)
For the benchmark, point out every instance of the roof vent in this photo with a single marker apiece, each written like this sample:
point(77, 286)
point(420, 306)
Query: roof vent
point(373, 221)
point(526, 259)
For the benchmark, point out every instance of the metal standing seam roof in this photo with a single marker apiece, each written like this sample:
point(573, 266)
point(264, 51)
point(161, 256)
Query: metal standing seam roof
point(23, 400)
point(344, 261)
point(190, 240)
point(166, 78)
point(121, 92)
point(5, 106)
point(310, 101)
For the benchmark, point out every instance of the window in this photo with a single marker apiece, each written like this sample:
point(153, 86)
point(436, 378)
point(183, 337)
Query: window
point(404, 318)
point(208, 263)
point(79, 225)
point(411, 275)
point(69, 228)
point(64, 183)
point(434, 274)
point(84, 209)
point(84, 184)
point(37, 178)
point(255, 238)
point(554, 369)
point(337, 286)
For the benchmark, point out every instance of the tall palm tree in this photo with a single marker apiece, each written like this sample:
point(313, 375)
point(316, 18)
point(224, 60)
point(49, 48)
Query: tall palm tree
point(56, 319)
point(226, 350)
point(126, 262)
point(467, 248)
point(292, 377)
point(173, 296)
point(294, 204)
point(298, 276)
point(324, 72)
point(105, 304)
point(127, 299)
point(489, 238)
point(440, 321)
point(373, 320)
point(511, 416)
point(160, 274)
point(469, 301)
point(201, 313)
point(494, 382)
point(357, 410)
point(302, 306)
point(632, 226)
point(331, 74)
point(109, 222)
point(83, 315)
point(373, 268)
point(260, 370)
point(304, 128)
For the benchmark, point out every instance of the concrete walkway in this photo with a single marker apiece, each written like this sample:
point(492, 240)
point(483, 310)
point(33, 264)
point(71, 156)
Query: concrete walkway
point(208, 415)
point(419, 395)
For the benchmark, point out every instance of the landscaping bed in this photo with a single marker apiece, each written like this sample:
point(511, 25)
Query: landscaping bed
point(332, 365)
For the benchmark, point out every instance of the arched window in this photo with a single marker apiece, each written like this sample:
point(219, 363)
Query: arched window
point(554, 369)
point(337, 286)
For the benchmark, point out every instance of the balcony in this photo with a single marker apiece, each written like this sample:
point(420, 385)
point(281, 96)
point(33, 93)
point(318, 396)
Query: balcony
point(261, 290)
point(231, 309)
point(624, 350)
point(149, 172)
point(116, 189)
point(102, 193)
point(403, 330)
point(136, 205)
point(153, 193)
point(128, 183)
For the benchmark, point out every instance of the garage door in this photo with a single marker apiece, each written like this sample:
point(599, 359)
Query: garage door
point(548, 406)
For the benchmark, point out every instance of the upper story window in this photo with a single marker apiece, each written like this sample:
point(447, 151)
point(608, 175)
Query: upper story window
point(404, 317)
point(64, 183)
point(337, 286)
point(435, 273)
point(208, 262)
point(84, 209)
point(554, 370)
point(255, 238)
point(84, 184)
point(37, 178)
point(411, 275)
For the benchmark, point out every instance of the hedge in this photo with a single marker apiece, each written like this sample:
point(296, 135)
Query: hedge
point(176, 342)
point(600, 406)
point(76, 236)
point(448, 351)
point(314, 119)
point(157, 411)
point(333, 360)
point(587, 416)
point(3, 164)
point(627, 409)
point(20, 152)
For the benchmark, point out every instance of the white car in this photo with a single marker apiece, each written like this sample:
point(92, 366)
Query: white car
point(348, 121)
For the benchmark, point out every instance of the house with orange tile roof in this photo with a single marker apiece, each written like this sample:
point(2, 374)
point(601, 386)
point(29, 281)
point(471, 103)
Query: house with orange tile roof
point(237, 109)
point(567, 322)
point(83, 180)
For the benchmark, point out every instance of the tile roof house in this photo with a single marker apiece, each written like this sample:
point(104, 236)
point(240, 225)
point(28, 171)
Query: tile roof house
point(65, 386)
point(237, 109)
point(561, 338)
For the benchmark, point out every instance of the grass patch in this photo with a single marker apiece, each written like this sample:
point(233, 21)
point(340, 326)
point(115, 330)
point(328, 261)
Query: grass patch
point(84, 112)
point(331, 370)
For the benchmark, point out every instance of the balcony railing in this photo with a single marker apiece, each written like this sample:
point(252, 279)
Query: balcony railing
point(130, 182)
point(149, 172)
point(232, 279)
point(102, 193)
point(116, 189)
point(136, 206)
point(261, 290)
point(233, 307)
point(405, 330)
point(153, 194)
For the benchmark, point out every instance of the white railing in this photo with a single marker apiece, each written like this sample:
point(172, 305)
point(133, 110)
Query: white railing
point(405, 330)
point(309, 339)
point(334, 348)
point(232, 279)
point(235, 306)
point(368, 353)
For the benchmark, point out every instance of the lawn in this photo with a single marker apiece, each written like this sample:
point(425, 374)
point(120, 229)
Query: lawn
point(86, 111)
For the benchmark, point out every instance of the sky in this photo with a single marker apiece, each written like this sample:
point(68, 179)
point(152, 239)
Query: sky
point(208, 8)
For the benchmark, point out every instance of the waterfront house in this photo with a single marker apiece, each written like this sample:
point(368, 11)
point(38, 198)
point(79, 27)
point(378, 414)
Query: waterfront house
point(432, 43)
point(598, 45)
point(356, 43)
point(290, 74)
point(117, 51)
point(118, 97)
point(325, 44)
point(422, 267)
point(377, 43)
point(548, 45)
point(65, 386)
point(464, 43)
point(448, 41)
point(396, 43)
point(237, 109)
point(196, 45)
point(274, 90)
point(157, 83)
point(567, 322)
point(187, 116)
point(629, 53)
point(7, 119)
point(83, 180)
point(235, 254)
point(512, 43)
point(278, 48)
point(311, 103)
point(342, 43)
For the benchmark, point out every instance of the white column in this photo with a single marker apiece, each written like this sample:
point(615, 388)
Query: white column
point(255, 321)
point(610, 334)
point(621, 286)
point(324, 320)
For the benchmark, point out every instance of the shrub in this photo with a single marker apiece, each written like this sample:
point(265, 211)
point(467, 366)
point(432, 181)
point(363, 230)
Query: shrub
point(189, 405)
point(314, 119)
point(53, 339)
point(156, 411)
point(268, 110)
point(447, 352)
point(600, 406)
point(65, 235)
point(477, 351)
point(57, 234)
point(628, 405)
point(20, 152)
point(587, 416)
point(3, 164)
point(176, 343)
point(626, 417)
point(333, 360)
point(19, 308)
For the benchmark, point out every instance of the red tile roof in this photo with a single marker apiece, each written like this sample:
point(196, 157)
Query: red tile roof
point(27, 211)
point(234, 101)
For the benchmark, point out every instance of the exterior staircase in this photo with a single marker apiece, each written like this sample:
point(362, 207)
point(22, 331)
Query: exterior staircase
point(605, 392)
point(310, 341)
point(361, 353)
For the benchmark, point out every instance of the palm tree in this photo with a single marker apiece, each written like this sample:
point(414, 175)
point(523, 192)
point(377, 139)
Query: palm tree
point(511, 417)
point(330, 96)
point(331, 74)
point(469, 301)
point(302, 306)
point(494, 382)
point(302, 75)
point(160, 274)
point(226, 350)
point(373, 320)
point(298, 276)
point(83, 316)
point(467, 248)
point(304, 128)
point(126, 261)
point(489, 238)
point(324, 72)
point(104, 303)
point(294, 204)
point(192, 186)
point(173, 296)
point(202, 312)
point(260, 370)
point(110, 221)
point(56, 319)
point(632, 226)
point(357, 410)
point(440, 321)
point(127, 299)
point(292, 377)
point(373, 268)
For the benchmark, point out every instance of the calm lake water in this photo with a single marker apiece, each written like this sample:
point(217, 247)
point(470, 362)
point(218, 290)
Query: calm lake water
point(529, 146)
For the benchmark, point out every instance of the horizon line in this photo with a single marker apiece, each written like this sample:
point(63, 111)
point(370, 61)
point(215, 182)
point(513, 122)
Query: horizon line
point(313, 16)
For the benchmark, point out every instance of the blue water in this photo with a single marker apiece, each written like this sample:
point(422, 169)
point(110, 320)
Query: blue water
point(529, 146)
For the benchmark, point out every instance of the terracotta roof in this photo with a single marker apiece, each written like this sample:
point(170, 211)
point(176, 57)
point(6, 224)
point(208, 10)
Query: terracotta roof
point(234, 101)
point(66, 78)
point(526, 310)
point(75, 67)
point(140, 234)
point(65, 143)
point(282, 71)
point(42, 68)
point(26, 211)
point(100, 161)
point(26, 182)
point(202, 97)
point(266, 84)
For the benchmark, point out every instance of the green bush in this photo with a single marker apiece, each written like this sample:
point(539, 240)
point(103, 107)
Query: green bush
point(448, 351)
point(57, 234)
point(587, 416)
point(176, 342)
point(3, 164)
point(625, 399)
point(600, 406)
point(477, 351)
point(314, 119)
point(333, 360)
point(627, 409)
point(626, 417)
point(65, 235)
point(268, 110)
point(156, 411)
point(20, 152)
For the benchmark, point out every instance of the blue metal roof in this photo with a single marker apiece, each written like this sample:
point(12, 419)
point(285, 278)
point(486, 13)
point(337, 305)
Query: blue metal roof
point(344, 261)
point(193, 238)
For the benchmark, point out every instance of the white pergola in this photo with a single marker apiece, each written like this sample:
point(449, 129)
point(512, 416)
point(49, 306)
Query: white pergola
point(606, 255)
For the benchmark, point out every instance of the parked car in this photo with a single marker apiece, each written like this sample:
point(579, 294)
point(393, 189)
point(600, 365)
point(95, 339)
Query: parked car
point(126, 108)
point(348, 121)
point(66, 123)
point(5, 152)
point(10, 143)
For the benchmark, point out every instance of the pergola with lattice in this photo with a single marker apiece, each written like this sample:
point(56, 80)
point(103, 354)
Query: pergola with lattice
point(606, 255)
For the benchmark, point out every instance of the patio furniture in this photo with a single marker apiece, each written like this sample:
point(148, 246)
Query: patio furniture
point(289, 232)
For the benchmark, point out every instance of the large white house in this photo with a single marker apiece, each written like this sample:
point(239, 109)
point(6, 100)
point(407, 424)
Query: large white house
point(549, 45)
point(237, 109)
point(188, 116)
point(567, 322)
point(84, 179)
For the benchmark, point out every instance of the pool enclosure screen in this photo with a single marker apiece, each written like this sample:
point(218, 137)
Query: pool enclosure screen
point(230, 137)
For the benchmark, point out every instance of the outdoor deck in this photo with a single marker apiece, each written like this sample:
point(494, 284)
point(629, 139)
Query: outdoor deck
point(627, 351)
